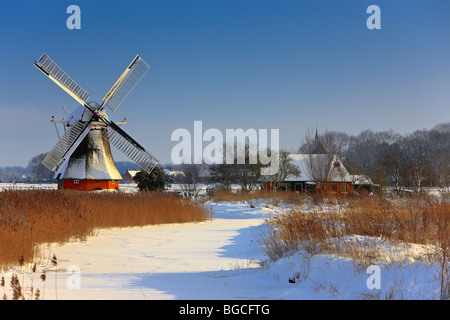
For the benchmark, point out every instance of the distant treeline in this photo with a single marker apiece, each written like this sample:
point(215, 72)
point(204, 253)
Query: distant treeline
point(36, 172)
point(411, 161)
point(14, 173)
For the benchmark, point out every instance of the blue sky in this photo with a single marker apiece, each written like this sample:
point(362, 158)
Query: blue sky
point(287, 65)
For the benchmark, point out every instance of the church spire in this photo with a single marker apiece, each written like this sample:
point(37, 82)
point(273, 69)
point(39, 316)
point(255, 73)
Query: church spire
point(317, 146)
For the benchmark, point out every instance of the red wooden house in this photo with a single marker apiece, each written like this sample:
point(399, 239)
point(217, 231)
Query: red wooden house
point(325, 169)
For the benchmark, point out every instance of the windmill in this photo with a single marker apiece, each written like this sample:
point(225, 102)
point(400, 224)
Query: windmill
point(82, 159)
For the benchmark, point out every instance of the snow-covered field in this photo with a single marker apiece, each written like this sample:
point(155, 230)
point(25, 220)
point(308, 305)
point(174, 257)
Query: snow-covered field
point(23, 186)
point(216, 259)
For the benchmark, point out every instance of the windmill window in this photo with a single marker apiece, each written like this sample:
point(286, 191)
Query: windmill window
point(337, 164)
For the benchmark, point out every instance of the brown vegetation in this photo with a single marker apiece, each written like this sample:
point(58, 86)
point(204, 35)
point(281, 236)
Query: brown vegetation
point(422, 220)
point(368, 230)
point(416, 220)
point(32, 217)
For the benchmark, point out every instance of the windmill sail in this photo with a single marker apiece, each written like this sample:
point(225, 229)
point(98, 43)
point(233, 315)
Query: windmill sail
point(126, 82)
point(66, 145)
point(55, 73)
point(79, 129)
point(131, 148)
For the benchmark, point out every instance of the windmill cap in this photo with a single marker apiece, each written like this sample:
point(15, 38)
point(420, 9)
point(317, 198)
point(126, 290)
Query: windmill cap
point(94, 104)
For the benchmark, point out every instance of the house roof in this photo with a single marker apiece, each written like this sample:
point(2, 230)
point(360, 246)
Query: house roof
point(173, 172)
point(132, 172)
point(362, 179)
point(320, 161)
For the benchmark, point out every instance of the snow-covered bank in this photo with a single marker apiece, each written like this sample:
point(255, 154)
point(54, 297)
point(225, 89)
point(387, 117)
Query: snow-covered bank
point(216, 259)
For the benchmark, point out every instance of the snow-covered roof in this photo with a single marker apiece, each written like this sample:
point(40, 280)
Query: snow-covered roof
point(361, 179)
point(302, 161)
point(173, 172)
point(132, 172)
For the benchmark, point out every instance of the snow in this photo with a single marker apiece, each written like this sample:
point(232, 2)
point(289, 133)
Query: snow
point(24, 186)
point(319, 163)
point(94, 161)
point(217, 259)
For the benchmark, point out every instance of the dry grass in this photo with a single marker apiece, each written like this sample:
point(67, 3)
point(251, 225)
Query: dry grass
point(416, 220)
point(32, 217)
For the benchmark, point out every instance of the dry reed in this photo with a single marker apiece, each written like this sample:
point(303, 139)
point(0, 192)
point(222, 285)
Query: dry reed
point(416, 220)
point(32, 217)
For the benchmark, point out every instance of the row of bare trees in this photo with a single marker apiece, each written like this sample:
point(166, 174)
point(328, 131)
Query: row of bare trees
point(412, 161)
point(402, 162)
point(247, 175)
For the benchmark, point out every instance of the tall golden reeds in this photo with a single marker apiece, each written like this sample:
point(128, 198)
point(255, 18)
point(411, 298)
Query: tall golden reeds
point(32, 217)
point(415, 220)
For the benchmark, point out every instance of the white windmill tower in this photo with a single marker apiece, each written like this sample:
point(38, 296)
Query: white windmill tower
point(82, 158)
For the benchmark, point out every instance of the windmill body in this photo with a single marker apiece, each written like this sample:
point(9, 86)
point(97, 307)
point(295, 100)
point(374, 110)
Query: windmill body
point(91, 166)
point(82, 158)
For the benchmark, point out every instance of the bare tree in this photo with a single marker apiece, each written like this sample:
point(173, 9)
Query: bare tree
point(190, 181)
point(441, 172)
point(393, 160)
point(322, 155)
point(247, 173)
point(222, 174)
point(285, 169)
point(243, 169)
point(417, 166)
point(39, 171)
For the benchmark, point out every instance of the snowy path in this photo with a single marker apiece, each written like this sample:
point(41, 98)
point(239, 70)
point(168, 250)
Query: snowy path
point(176, 261)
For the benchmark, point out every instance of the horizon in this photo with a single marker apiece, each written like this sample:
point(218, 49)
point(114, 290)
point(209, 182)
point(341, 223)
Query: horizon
point(133, 166)
point(287, 65)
